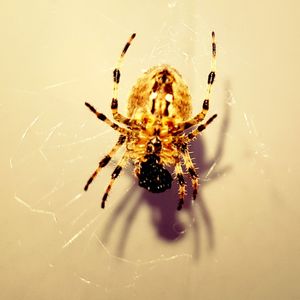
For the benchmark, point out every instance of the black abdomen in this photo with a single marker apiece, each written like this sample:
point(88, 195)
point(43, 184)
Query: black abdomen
point(153, 176)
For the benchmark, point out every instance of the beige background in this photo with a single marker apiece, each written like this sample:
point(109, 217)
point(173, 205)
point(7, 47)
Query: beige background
point(240, 240)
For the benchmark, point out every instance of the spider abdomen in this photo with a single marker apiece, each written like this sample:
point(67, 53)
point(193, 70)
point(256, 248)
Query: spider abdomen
point(153, 176)
point(160, 91)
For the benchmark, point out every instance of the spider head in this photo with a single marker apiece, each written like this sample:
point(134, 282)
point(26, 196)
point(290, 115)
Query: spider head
point(153, 176)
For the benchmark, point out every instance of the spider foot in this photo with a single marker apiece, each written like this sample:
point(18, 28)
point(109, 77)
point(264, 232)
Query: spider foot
point(180, 204)
point(195, 194)
point(87, 184)
point(103, 200)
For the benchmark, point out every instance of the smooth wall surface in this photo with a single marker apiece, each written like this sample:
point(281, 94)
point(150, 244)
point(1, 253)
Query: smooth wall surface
point(239, 240)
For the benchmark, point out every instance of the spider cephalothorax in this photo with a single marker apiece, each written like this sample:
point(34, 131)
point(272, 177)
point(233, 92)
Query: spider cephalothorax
point(159, 113)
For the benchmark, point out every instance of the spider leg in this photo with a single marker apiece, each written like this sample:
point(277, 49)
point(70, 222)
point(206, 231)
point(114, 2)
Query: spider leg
point(116, 76)
point(103, 118)
point(211, 77)
point(200, 128)
point(192, 172)
point(181, 182)
point(106, 160)
point(114, 175)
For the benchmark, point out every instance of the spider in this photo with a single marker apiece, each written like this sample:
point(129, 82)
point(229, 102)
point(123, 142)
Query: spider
point(154, 131)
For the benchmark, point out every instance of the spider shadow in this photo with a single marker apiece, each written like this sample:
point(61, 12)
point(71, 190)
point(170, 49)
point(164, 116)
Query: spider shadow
point(164, 215)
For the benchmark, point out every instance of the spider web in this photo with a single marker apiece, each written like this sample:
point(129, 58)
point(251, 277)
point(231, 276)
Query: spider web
point(57, 144)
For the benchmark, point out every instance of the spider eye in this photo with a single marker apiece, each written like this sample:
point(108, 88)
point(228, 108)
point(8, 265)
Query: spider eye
point(153, 176)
